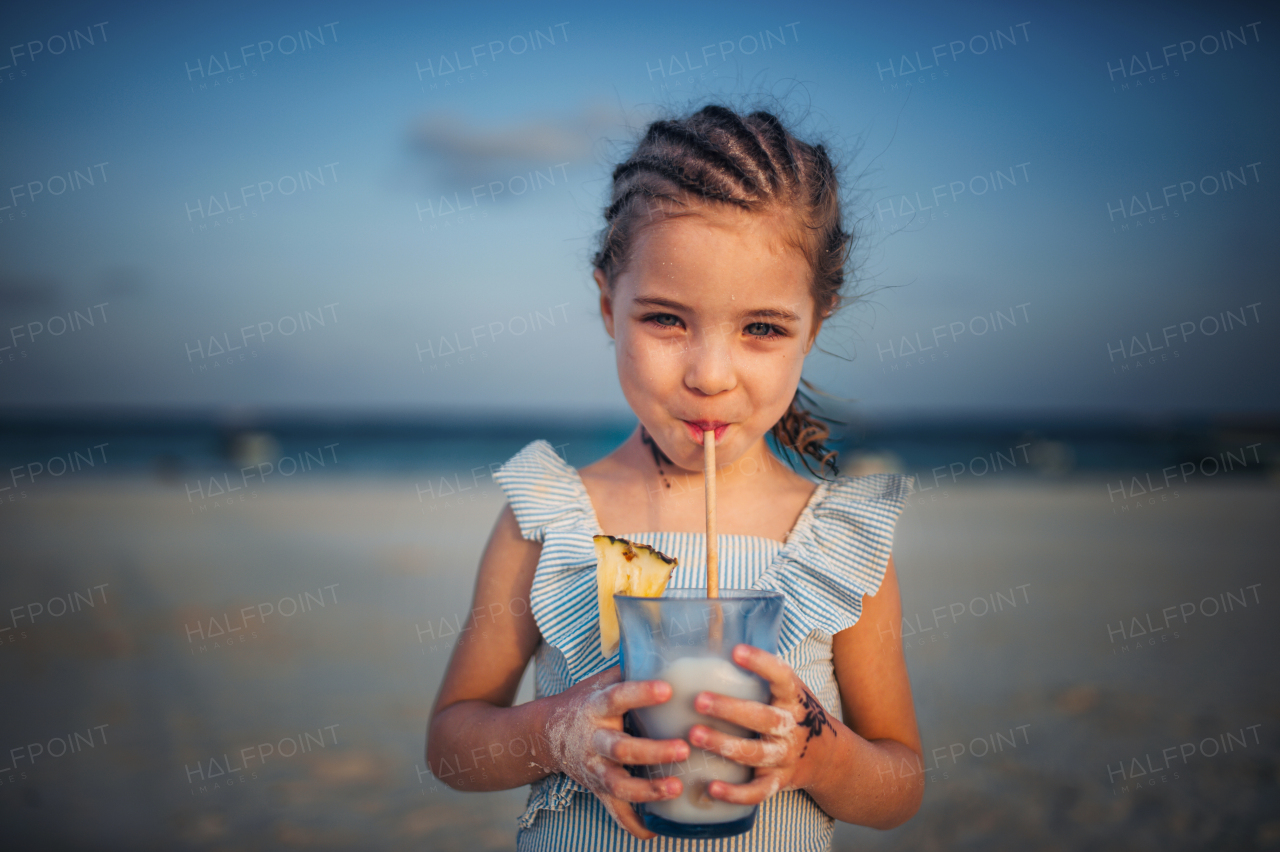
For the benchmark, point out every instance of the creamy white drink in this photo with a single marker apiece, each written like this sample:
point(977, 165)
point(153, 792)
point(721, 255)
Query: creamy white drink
point(672, 719)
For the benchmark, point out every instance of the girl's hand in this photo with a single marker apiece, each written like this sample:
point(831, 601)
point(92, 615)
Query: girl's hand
point(785, 755)
point(588, 744)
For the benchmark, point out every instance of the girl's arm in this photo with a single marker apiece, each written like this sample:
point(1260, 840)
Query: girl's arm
point(863, 771)
point(474, 730)
point(875, 780)
point(477, 741)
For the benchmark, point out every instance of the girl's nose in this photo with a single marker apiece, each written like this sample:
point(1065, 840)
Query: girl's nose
point(709, 366)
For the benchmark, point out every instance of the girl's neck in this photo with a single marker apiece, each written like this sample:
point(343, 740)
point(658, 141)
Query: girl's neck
point(641, 452)
point(631, 491)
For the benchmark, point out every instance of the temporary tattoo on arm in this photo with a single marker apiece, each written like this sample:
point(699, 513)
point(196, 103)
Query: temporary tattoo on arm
point(815, 719)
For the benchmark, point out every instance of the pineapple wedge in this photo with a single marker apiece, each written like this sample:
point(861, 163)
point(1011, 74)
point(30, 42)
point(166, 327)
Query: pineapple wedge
point(624, 568)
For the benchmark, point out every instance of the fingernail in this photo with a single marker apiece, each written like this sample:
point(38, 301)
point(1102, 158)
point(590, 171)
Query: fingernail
point(702, 703)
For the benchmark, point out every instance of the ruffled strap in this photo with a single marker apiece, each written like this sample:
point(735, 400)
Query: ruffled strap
point(544, 492)
point(552, 506)
point(837, 553)
point(555, 792)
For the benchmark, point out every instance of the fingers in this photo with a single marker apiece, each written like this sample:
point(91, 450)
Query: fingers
point(761, 753)
point(608, 677)
point(782, 680)
point(752, 715)
point(622, 785)
point(621, 697)
point(626, 816)
point(623, 748)
point(755, 791)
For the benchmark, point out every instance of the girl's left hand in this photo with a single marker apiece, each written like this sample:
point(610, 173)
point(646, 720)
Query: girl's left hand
point(785, 754)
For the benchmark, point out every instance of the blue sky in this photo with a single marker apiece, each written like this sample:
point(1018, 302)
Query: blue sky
point(526, 134)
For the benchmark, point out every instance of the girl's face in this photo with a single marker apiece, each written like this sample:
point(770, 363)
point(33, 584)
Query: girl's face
point(712, 318)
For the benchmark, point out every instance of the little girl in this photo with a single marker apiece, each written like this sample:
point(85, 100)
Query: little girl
point(723, 253)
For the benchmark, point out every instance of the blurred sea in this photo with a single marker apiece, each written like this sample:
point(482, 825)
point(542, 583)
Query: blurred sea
point(171, 445)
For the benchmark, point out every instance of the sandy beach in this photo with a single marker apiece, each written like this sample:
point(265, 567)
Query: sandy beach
point(256, 672)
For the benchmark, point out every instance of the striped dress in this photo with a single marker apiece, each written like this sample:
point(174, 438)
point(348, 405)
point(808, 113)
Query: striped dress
point(836, 553)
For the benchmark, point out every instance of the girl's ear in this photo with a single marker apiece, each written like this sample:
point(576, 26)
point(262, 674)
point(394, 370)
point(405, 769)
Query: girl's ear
point(606, 301)
point(813, 336)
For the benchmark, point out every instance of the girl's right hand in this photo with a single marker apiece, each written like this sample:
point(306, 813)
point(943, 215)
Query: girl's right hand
point(588, 743)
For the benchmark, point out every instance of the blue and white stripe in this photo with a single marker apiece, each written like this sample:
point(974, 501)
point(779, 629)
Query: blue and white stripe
point(788, 820)
point(836, 553)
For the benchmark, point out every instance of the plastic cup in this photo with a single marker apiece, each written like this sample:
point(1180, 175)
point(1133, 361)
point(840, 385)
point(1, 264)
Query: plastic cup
point(687, 639)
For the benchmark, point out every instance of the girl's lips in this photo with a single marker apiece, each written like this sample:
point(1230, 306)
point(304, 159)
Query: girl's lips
point(697, 427)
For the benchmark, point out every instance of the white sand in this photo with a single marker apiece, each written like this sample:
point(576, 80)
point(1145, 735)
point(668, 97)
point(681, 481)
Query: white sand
point(395, 575)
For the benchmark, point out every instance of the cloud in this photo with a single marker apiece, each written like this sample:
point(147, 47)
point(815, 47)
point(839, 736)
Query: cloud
point(27, 293)
point(461, 152)
point(124, 282)
point(21, 294)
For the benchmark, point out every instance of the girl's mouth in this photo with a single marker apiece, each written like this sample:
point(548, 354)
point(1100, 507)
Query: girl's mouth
point(697, 427)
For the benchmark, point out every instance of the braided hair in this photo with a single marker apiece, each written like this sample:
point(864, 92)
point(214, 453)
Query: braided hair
point(754, 164)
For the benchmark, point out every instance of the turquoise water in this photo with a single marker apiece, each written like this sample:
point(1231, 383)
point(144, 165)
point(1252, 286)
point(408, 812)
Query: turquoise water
point(171, 447)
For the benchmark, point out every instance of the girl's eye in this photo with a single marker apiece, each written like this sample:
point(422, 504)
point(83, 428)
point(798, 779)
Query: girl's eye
point(763, 331)
point(664, 320)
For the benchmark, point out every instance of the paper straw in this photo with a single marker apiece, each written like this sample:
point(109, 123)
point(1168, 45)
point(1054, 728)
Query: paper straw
point(709, 478)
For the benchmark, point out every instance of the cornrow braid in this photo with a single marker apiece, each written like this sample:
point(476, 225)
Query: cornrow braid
point(753, 164)
point(776, 134)
point(683, 135)
point(743, 137)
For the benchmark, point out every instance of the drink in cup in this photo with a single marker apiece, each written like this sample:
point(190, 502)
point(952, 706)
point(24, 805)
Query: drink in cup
point(687, 639)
